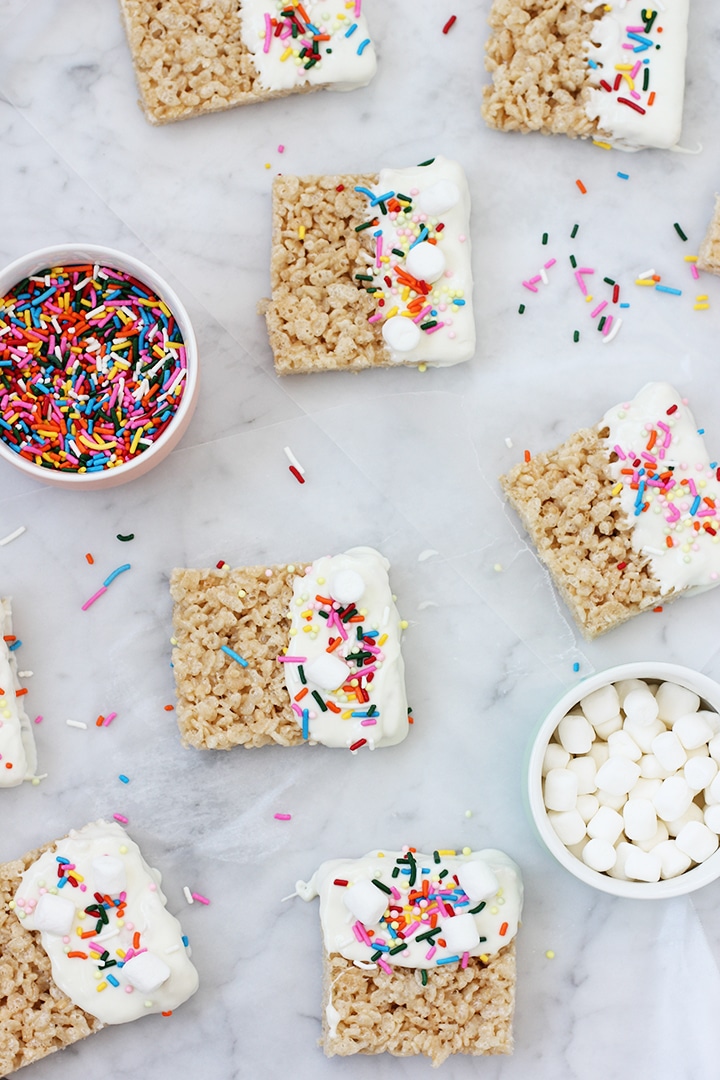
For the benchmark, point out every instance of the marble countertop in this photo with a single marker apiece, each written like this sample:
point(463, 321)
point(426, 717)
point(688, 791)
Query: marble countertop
point(403, 460)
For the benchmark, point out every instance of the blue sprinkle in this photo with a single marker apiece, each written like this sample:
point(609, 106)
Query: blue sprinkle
point(448, 960)
point(576, 666)
point(15, 645)
point(351, 29)
point(592, 63)
point(701, 431)
point(381, 198)
point(365, 191)
point(112, 979)
point(120, 569)
point(125, 779)
point(665, 288)
point(362, 45)
point(233, 655)
point(459, 303)
point(695, 505)
point(625, 304)
point(305, 723)
point(185, 940)
point(419, 239)
point(624, 175)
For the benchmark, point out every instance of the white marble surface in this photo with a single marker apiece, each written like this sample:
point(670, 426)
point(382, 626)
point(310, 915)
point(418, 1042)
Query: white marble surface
point(402, 460)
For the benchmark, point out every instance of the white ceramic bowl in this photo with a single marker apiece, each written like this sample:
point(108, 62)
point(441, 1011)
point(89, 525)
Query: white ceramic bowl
point(694, 878)
point(92, 253)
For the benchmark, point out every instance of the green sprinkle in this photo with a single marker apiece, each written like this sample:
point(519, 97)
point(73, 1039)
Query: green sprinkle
point(443, 873)
point(382, 886)
point(427, 325)
point(396, 871)
point(428, 935)
point(402, 198)
point(576, 335)
point(573, 261)
point(521, 309)
point(364, 277)
point(301, 673)
point(545, 238)
point(367, 225)
point(436, 856)
point(396, 251)
point(679, 231)
point(131, 536)
point(646, 78)
point(398, 948)
point(608, 281)
point(423, 976)
point(428, 162)
point(319, 700)
point(602, 323)
point(474, 911)
point(573, 234)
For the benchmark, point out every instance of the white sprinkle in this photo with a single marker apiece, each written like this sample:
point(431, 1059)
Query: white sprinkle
point(543, 275)
point(25, 674)
point(188, 895)
point(646, 274)
point(385, 616)
point(77, 724)
point(509, 442)
point(293, 460)
point(12, 536)
point(612, 333)
point(427, 554)
point(173, 948)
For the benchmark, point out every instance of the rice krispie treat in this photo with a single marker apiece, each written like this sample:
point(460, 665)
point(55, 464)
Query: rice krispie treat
point(371, 270)
point(613, 72)
point(18, 758)
point(198, 56)
point(709, 253)
point(419, 952)
point(51, 900)
point(289, 654)
point(625, 514)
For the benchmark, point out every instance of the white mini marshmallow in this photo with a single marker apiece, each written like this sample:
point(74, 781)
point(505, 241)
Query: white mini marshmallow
point(672, 860)
point(693, 813)
point(400, 333)
point(674, 701)
point(601, 705)
point(555, 758)
point(587, 807)
point(643, 865)
point(365, 901)
point(712, 792)
point(599, 753)
point(643, 733)
point(712, 718)
point(615, 802)
point(599, 855)
point(714, 747)
point(625, 686)
point(617, 775)
point(438, 198)
point(568, 825)
point(606, 824)
point(146, 972)
point(561, 789)
point(605, 730)
point(346, 586)
point(576, 735)
point(622, 851)
point(460, 933)
point(692, 730)
point(477, 880)
point(697, 841)
point(426, 262)
point(659, 836)
point(584, 768)
point(673, 798)
point(640, 819)
point(54, 914)
point(651, 769)
point(645, 788)
point(711, 817)
point(641, 706)
point(620, 744)
point(669, 751)
point(327, 671)
point(700, 772)
point(109, 877)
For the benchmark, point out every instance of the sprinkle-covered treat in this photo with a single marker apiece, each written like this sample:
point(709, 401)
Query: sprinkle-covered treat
point(419, 952)
point(613, 72)
point(709, 253)
point(372, 270)
point(85, 941)
point(289, 655)
point(18, 759)
point(196, 57)
point(625, 515)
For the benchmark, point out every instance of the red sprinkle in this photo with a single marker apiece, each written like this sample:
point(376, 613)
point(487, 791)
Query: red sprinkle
point(340, 881)
point(626, 101)
point(621, 565)
point(616, 293)
point(298, 476)
point(657, 609)
point(340, 187)
point(451, 21)
point(671, 410)
point(358, 744)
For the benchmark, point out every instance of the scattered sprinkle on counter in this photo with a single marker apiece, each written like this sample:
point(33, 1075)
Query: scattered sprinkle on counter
point(125, 539)
point(282, 817)
point(12, 536)
point(449, 24)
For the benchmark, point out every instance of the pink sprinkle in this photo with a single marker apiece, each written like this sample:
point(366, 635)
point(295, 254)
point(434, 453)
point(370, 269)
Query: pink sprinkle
point(694, 271)
point(581, 282)
point(385, 966)
point(281, 149)
point(419, 318)
point(434, 329)
point(296, 708)
point(586, 270)
point(620, 452)
point(465, 958)
point(633, 73)
point(38, 719)
point(98, 594)
point(109, 719)
point(362, 932)
point(200, 899)
point(121, 818)
point(282, 817)
point(292, 659)
point(634, 94)
point(626, 46)
point(96, 948)
point(608, 324)
point(598, 309)
point(358, 8)
point(674, 514)
point(268, 33)
point(378, 316)
point(549, 263)
point(529, 286)
point(431, 952)
point(368, 722)
point(378, 251)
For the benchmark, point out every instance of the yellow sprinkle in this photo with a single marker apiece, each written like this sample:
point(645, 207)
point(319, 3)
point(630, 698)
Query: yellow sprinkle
point(301, 232)
point(288, 52)
point(101, 986)
point(485, 958)
point(307, 613)
point(617, 488)
point(602, 145)
point(447, 851)
point(391, 312)
point(267, 164)
point(346, 715)
point(403, 624)
point(405, 293)
point(588, 299)
point(497, 567)
point(644, 281)
point(701, 296)
point(422, 367)
point(136, 439)
point(165, 309)
point(701, 307)
point(623, 67)
point(467, 851)
point(550, 954)
point(382, 639)
point(691, 258)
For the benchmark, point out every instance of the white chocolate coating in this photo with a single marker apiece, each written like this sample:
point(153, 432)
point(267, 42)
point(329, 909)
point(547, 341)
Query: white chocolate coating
point(378, 655)
point(495, 914)
point(645, 110)
point(676, 505)
point(277, 59)
point(143, 913)
point(18, 758)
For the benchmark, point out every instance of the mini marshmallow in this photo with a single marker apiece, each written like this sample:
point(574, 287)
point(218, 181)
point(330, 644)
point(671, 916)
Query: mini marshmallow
point(438, 198)
point(599, 752)
point(675, 701)
point(54, 914)
point(669, 751)
point(400, 333)
point(568, 825)
point(617, 775)
point(640, 819)
point(692, 730)
point(640, 706)
point(109, 877)
point(693, 813)
point(659, 836)
point(606, 824)
point(645, 788)
point(327, 671)
point(651, 769)
point(587, 807)
point(711, 818)
point(615, 802)
point(426, 262)
point(561, 789)
point(477, 880)
point(555, 758)
point(146, 972)
point(460, 933)
point(605, 730)
point(673, 861)
point(642, 865)
point(599, 855)
point(673, 798)
point(576, 735)
point(601, 705)
point(711, 718)
point(699, 772)
point(346, 586)
point(584, 768)
point(697, 841)
point(714, 747)
point(626, 685)
point(622, 851)
point(643, 733)
point(365, 901)
point(620, 744)
point(713, 789)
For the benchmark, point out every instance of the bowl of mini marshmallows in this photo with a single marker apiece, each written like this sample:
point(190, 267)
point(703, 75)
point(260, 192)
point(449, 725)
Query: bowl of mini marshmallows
point(98, 366)
point(623, 780)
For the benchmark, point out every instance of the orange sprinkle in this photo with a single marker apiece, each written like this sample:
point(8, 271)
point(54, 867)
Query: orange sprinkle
point(324, 600)
point(335, 643)
point(8, 765)
point(168, 1013)
point(100, 721)
point(669, 541)
point(88, 933)
point(20, 693)
point(332, 706)
point(651, 99)
point(581, 186)
point(9, 637)
point(77, 955)
point(503, 930)
point(168, 708)
point(527, 455)
point(301, 693)
point(657, 608)
point(652, 440)
point(710, 502)
point(89, 558)
point(136, 940)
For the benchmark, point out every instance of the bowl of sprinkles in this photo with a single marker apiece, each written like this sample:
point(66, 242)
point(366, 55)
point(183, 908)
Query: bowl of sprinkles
point(98, 366)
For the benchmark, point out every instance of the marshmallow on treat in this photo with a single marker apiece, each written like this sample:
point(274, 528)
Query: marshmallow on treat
point(54, 914)
point(146, 972)
point(460, 933)
point(110, 877)
point(365, 901)
point(346, 586)
point(478, 880)
point(327, 671)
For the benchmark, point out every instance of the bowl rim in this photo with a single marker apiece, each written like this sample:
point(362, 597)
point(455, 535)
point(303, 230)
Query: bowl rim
point(649, 670)
point(54, 255)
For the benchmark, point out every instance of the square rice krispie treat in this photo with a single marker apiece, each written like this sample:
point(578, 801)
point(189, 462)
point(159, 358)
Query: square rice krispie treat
point(613, 72)
point(371, 270)
point(198, 56)
point(624, 514)
point(289, 654)
point(709, 253)
point(419, 952)
point(49, 993)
